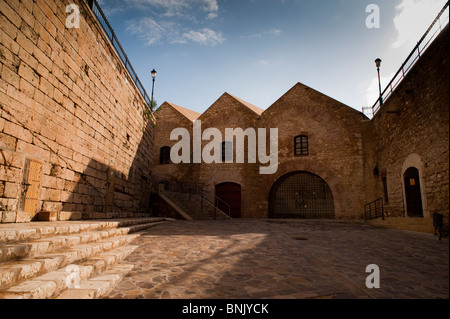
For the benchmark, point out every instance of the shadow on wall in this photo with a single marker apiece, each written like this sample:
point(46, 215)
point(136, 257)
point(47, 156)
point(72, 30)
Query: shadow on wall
point(73, 187)
point(103, 191)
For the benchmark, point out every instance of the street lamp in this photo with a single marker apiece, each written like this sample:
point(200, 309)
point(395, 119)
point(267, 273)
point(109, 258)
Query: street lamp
point(153, 86)
point(378, 64)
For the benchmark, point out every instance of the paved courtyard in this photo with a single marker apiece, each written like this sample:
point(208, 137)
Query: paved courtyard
point(284, 259)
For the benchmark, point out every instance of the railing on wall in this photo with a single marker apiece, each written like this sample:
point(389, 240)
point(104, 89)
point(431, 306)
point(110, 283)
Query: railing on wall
point(433, 31)
point(196, 189)
point(101, 18)
point(374, 210)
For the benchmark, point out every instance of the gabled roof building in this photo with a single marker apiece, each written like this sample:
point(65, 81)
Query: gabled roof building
point(333, 161)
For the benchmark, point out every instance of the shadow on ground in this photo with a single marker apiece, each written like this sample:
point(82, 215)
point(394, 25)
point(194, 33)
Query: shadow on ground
point(283, 259)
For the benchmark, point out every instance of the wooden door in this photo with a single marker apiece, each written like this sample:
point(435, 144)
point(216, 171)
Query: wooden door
point(31, 187)
point(413, 193)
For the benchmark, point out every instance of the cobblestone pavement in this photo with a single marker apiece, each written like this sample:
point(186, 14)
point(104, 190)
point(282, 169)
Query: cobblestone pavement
point(267, 259)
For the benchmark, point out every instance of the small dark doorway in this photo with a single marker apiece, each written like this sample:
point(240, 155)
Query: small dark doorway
point(230, 193)
point(413, 193)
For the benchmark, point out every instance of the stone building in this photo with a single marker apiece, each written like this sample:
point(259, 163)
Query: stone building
point(76, 140)
point(332, 160)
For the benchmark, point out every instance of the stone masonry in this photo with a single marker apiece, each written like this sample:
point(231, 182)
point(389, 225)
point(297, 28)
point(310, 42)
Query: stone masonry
point(334, 149)
point(412, 130)
point(351, 153)
point(75, 141)
point(68, 104)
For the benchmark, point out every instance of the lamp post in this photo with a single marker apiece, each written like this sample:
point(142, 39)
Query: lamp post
point(153, 86)
point(378, 64)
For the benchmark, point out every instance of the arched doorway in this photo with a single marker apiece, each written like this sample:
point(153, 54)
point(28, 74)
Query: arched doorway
point(230, 193)
point(301, 195)
point(413, 194)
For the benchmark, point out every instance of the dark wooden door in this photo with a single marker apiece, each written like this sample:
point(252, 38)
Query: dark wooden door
point(412, 192)
point(230, 193)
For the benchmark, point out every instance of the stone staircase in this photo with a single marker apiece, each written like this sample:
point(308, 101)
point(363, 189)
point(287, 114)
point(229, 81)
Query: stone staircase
point(193, 206)
point(423, 225)
point(67, 260)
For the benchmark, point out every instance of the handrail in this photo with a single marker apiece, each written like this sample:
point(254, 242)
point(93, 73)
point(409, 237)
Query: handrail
point(197, 189)
point(376, 212)
point(218, 200)
point(412, 58)
point(104, 23)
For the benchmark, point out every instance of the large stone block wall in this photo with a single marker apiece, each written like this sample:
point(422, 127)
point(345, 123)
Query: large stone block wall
point(412, 130)
point(67, 102)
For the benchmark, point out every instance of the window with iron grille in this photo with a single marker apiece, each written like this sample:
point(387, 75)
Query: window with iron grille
point(164, 155)
point(301, 145)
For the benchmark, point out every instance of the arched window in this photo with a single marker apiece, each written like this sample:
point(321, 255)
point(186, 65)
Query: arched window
point(301, 147)
point(164, 155)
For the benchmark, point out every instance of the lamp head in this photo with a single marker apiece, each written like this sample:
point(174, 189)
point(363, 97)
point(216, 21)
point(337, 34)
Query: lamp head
point(378, 62)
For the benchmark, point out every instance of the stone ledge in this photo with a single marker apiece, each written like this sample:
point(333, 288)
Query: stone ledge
point(10, 217)
point(58, 216)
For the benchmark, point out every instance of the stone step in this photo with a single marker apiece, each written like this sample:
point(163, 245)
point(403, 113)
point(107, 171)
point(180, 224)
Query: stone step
point(99, 286)
point(41, 246)
point(14, 273)
point(43, 260)
point(75, 276)
point(17, 233)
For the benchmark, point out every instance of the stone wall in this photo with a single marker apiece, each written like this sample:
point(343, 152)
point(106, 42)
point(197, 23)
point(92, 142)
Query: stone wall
point(335, 143)
point(350, 152)
point(68, 103)
point(412, 130)
point(334, 133)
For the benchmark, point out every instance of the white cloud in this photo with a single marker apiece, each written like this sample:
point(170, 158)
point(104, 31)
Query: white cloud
point(412, 19)
point(184, 8)
point(150, 31)
point(272, 32)
point(204, 36)
point(168, 21)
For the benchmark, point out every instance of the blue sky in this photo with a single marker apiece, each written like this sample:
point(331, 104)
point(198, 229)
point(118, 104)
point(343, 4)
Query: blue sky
point(258, 49)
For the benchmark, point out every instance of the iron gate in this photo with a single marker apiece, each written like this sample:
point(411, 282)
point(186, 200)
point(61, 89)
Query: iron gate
point(301, 195)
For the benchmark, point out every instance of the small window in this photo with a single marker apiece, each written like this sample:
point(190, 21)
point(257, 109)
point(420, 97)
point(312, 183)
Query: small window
point(164, 155)
point(227, 152)
point(301, 145)
point(385, 188)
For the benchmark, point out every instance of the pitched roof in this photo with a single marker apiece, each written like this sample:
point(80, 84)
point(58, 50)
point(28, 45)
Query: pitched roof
point(252, 107)
point(191, 115)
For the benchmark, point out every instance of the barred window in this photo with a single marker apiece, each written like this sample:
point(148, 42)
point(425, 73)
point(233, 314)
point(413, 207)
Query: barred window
point(164, 155)
point(301, 145)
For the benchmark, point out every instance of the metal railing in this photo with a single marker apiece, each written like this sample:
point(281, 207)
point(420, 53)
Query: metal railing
point(101, 18)
point(433, 31)
point(196, 189)
point(374, 210)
